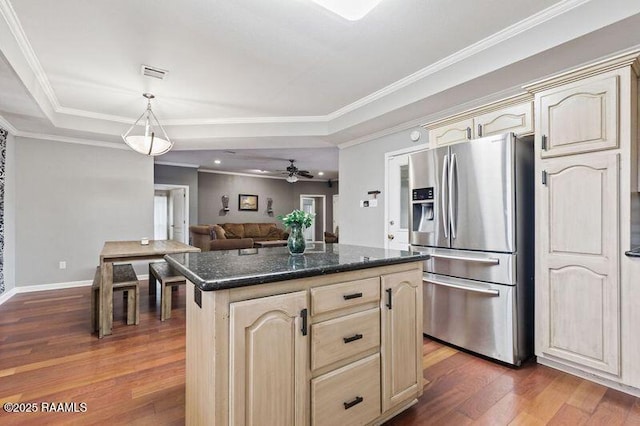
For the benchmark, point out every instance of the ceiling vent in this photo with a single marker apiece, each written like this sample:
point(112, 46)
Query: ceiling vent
point(154, 72)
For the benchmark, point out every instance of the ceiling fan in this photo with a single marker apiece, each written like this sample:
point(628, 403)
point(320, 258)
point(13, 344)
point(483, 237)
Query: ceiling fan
point(293, 173)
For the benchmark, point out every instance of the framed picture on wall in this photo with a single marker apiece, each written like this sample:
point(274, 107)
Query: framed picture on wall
point(248, 202)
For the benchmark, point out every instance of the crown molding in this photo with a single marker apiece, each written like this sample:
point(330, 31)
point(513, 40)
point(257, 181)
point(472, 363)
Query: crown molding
point(494, 39)
point(9, 14)
point(168, 163)
point(7, 126)
point(220, 172)
point(419, 123)
point(66, 139)
point(7, 11)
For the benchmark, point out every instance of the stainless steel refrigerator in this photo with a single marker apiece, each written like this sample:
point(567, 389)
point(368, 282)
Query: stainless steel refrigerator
point(472, 210)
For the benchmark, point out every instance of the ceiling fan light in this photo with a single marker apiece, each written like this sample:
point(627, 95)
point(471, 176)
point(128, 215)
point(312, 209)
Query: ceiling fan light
point(352, 10)
point(148, 142)
point(292, 178)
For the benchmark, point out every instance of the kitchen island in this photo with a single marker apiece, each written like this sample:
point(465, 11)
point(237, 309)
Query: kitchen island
point(330, 337)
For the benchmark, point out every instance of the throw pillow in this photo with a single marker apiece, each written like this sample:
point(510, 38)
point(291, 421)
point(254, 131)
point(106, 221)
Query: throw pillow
point(234, 230)
point(219, 232)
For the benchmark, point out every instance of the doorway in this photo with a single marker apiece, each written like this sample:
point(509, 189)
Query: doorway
point(397, 205)
point(316, 205)
point(171, 213)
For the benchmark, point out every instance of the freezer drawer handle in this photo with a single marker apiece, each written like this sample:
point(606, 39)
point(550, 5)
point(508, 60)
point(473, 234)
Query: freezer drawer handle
point(487, 260)
point(489, 292)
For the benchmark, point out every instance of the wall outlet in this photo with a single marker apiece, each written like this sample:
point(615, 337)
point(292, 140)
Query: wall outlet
point(373, 203)
point(62, 264)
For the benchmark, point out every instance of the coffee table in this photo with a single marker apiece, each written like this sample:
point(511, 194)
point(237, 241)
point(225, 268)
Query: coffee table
point(271, 243)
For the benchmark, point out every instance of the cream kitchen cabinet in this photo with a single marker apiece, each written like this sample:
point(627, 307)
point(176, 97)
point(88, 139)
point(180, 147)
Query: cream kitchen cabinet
point(578, 291)
point(459, 131)
point(587, 206)
point(269, 355)
point(401, 337)
point(493, 119)
point(341, 348)
point(579, 117)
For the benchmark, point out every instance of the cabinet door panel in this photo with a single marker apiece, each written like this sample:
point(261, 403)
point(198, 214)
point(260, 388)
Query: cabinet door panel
point(577, 322)
point(576, 216)
point(357, 385)
point(577, 299)
point(401, 336)
point(269, 356)
point(580, 118)
point(517, 119)
point(460, 131)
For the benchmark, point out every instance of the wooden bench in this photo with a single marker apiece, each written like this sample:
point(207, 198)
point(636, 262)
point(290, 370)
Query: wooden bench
point(124, 279)
point(168, 277)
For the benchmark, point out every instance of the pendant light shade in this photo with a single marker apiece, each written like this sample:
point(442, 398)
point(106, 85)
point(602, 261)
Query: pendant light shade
point(152, 140)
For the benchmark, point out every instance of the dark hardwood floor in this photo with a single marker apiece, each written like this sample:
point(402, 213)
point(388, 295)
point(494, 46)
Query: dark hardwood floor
point(136, 376)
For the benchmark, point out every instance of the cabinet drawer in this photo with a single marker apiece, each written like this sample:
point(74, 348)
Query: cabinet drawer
point(344, 295)
point(343, 337)
point(347, 396)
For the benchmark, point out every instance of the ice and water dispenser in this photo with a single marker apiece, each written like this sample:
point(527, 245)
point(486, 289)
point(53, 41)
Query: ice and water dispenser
point(423, 210)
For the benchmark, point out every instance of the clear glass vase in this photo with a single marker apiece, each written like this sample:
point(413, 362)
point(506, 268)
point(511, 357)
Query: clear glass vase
point(296, 243)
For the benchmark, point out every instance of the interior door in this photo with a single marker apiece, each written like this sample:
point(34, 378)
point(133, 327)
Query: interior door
point(178, 210)
point(398, 202)
point(160, 215)
point(308, 205)
point(481, 183)
point(336, 213)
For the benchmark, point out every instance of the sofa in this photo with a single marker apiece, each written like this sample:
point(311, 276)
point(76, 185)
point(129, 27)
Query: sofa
point(228, 236)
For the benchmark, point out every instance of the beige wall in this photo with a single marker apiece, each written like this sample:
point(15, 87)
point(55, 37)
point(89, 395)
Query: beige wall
point(70, 199)
point(286, 197)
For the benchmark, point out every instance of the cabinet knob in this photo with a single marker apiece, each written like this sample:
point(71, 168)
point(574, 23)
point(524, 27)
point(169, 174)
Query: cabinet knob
point(479, 130)
point(468, 132)
point(390, 236)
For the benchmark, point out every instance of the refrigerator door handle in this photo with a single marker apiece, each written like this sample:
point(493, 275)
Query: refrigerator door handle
point(487, 291)
point(443, 195)
point(453, 198)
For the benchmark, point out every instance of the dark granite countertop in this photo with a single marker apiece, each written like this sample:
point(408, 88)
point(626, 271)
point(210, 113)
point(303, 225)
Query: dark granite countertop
point(217, 270)
point(633, 252)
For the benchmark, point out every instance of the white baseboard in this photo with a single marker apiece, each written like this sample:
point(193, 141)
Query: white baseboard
point(588, 376)
point(8, 294)
point(54, 286)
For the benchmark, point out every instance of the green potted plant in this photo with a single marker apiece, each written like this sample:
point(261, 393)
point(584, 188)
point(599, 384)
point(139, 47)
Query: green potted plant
point(296, 221)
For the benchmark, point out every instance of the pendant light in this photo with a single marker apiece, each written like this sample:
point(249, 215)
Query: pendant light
point(149, 142)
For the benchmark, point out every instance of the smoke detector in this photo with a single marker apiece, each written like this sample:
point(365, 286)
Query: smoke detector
point(154, 72)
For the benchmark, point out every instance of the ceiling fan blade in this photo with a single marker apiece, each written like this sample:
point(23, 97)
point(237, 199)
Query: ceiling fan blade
point(305, 174)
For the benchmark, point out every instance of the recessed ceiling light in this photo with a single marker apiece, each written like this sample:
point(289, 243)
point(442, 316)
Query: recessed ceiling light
point(217, 161)
point(320, 173)
point(352, 10)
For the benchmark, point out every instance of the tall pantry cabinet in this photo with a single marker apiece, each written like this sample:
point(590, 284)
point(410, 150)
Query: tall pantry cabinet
point(587, 291)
